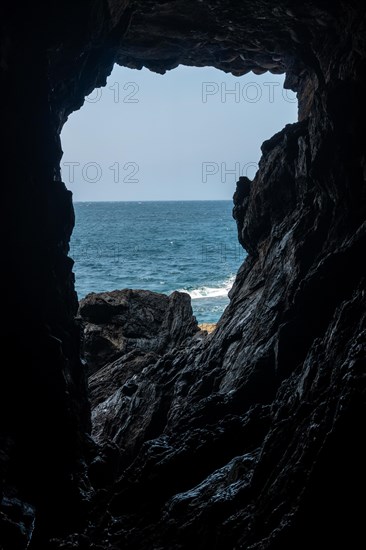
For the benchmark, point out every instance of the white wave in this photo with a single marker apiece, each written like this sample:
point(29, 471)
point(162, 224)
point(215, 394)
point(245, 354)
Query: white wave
point(210, 291)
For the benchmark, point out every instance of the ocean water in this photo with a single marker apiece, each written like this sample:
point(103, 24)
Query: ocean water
point(190, 246)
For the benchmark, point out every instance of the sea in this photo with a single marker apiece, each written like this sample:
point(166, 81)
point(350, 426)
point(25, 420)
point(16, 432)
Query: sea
point(190, 246)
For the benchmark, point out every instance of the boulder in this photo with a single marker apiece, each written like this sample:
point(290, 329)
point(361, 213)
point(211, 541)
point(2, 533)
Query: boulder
point(118, 322)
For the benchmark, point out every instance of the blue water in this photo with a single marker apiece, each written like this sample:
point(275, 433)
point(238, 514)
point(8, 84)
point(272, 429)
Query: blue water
point(161, 246)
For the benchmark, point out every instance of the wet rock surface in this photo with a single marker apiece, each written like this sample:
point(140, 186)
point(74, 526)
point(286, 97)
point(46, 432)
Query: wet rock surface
point(251, 437)
point(126, 334)
point(121, 321)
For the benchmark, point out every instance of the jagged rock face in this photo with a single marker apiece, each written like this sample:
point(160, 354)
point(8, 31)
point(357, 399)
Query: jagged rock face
point(258, 439)
point(125, 333)
point(250, 416)
point(121, 321)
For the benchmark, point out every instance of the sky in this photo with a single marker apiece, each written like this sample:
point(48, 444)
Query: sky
point(185, 135)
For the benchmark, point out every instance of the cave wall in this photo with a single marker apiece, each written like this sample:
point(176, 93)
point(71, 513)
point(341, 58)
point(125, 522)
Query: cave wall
point(280, 384)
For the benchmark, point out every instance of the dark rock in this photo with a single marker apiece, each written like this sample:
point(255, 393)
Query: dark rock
point(17, 519)
point(136, 328)
point(104, 466)
point(121, 321)
point(253, 436)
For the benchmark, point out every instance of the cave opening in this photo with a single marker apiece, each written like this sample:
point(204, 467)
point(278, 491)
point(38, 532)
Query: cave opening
point(250, 438)
point(152, 161)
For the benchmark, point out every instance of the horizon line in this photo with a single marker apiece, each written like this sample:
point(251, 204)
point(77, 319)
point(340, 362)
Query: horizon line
point(157, 200)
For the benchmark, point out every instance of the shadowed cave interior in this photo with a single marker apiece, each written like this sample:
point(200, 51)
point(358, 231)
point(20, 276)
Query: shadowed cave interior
point(251, 438)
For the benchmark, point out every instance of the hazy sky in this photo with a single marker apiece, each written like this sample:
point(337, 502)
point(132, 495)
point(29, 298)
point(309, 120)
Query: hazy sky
point(185, 135)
